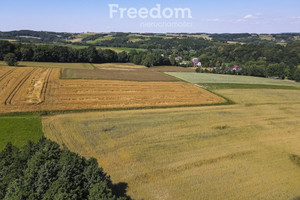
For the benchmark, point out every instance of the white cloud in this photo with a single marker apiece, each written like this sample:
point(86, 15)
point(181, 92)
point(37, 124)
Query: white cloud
point(213, 20)
point(249, 17)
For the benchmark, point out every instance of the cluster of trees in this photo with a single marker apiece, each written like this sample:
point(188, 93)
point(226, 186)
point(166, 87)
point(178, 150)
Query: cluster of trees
point(44, 171)
point(259, 69)
point(55, 53)
point(254, 59)
point(150, 58)
point(158, 43)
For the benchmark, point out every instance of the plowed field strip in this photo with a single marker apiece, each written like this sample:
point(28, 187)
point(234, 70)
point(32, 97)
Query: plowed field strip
point(17, 87)
point(6, 74)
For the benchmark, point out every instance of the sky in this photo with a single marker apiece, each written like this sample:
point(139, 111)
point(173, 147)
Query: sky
point(214, 16)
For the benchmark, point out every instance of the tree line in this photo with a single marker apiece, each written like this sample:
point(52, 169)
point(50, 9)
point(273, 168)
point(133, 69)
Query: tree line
point(56, 53)
point(254, 59)
point(44, 171)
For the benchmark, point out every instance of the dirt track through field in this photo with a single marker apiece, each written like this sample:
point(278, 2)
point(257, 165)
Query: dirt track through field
point(10, 97)
point(6, 74)
point(37, 89)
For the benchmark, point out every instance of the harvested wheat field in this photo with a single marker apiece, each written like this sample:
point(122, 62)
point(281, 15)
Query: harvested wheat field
point(35, 89)
point(242, 151)
point(25, 89)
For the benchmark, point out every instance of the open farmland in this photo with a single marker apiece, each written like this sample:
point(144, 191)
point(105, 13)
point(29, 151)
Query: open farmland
point(29, 128)
point(53, 65)
point(121, 71)
point(240, 151)
point(206, 78)
point(36, 89)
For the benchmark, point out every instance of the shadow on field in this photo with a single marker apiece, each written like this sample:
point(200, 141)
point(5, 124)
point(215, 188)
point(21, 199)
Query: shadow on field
point(120, 189)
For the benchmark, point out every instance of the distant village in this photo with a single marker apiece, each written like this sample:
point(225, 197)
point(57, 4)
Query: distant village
point(235, 69)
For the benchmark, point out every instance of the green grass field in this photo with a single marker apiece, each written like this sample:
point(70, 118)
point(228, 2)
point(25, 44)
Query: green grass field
point(206, 78)
point(19, 129)
point(53, 65)
point(217, 86)
point(100, 39)
point(266, 37)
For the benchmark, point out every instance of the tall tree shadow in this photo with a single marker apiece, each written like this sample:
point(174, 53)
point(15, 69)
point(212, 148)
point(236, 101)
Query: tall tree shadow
point(120, 190)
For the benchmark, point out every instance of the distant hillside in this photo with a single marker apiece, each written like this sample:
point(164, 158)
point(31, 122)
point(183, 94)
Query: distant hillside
point(140, 40)
point(36, 36)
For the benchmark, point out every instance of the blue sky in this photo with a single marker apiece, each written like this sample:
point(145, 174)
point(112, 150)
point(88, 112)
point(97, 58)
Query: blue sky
point(215, 16)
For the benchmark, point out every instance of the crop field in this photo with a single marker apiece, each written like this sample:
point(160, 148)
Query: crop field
point(205, 78)
point(53, 65)
point(38, 89)
point(266, 37)
point(241, 151)
point(119, 66)
point(120, 71)
point(19, 129)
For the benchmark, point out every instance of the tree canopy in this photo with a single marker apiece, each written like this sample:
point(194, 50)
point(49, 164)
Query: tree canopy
point(45, 171)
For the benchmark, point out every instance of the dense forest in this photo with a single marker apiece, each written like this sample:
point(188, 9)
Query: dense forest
point(57, 53)
point(45, 171)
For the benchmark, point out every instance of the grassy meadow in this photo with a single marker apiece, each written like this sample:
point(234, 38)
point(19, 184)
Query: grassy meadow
point(241, 151)
point(207, 78)
point(215, 86)
point(19, 129)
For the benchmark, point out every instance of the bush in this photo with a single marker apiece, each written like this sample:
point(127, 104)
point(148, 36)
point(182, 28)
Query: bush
point(297, 75)
point(11, 59)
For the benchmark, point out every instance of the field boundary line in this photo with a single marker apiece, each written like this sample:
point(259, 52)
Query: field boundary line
point(228, 101)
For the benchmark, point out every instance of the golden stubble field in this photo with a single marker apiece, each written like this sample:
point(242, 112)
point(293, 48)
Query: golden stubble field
point(237, 151)
point(27, 89)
